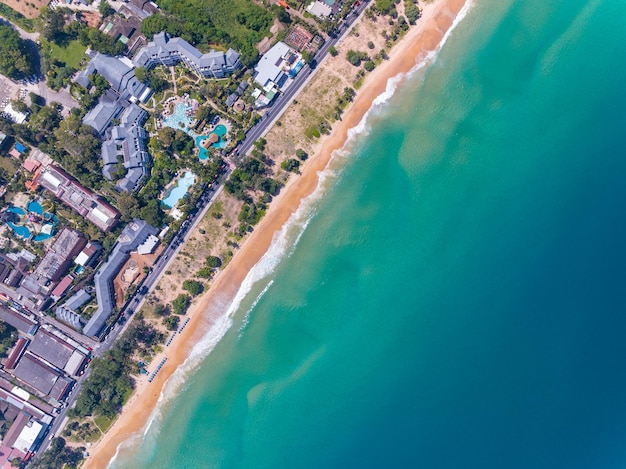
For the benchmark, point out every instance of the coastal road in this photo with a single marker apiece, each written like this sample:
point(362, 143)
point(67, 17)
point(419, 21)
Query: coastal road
point(286, 97)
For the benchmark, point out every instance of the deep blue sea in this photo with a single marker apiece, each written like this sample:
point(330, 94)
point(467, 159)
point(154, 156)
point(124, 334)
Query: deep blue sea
point(454, 295)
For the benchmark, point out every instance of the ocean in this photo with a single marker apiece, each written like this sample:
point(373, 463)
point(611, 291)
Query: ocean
point(454, 294)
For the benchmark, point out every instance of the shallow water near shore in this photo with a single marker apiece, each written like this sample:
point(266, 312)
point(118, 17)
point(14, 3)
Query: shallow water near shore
point(456, 299)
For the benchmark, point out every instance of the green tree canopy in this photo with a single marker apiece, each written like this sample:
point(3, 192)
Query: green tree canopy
point(16, 59)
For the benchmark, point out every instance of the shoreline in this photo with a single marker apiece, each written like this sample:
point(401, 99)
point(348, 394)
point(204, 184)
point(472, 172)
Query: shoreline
point(422, 39)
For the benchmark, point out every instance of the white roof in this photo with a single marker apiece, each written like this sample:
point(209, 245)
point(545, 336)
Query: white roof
point(148, 245)
point(28, 436)
point(81, 259)
point(319, 9)
point(270, 65)
point(74, 363)
point(51, 179)
point(100, 215)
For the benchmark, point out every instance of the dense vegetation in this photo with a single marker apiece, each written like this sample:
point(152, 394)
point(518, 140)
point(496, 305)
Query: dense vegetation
point(16, 58)
point(8, 337)
point(239, 24)
point(110, 382)
point(58, 455)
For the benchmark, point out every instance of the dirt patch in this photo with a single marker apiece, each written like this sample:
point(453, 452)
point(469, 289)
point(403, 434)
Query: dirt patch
point(132, 273)
point(30, 8)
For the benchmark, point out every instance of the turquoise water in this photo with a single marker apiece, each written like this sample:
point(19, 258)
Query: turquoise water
point(180, 189)
point(16, 210)
point(457, 297)
point(21, 231)
point(179, 120)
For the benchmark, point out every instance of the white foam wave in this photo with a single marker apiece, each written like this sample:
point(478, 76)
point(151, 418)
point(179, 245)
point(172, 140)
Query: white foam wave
point(246, 316)
point(282, 246)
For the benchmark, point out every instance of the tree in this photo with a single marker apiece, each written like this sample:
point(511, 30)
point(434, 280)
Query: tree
point(370, 45)
point(181, 303)
point(301, 154)
point(105, 9)
point(332, 51)
point(193, 287)
point(16, 58)
point(171, 322)
point(213, 262)
point(412, 13)
point(291, 165)
point(383, 6)
point(355, 57)
point(128, 206)
point(369, 65)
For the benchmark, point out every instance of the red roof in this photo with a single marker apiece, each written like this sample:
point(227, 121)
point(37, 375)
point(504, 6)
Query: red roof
point(31, 165)
point(62, 286)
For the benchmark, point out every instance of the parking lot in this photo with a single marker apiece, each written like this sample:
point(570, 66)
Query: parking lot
point(8, 91)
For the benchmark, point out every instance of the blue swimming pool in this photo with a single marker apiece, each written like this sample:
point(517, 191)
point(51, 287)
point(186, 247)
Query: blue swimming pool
point(21, 231)
point(17, 210)
point(179, 190)
point(35, 207)
point(179, 120)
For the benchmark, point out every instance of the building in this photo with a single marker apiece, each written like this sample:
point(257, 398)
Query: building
point(164, 50)
point(133, 235)
point(21, 322)
point(84, 202)
point(127, 146)
point(59, 256)
point(276, 66)
point(57, 352)
point(42, 377)
point(87, 255)
point(319, 9)
point(120, 74)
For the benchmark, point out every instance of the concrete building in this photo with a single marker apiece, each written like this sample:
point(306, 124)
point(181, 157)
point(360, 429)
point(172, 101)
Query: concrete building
point(20, 321)
point(164, 50)
point(42, 377)
point(87, 255)
point(319, 9)
point(84, 202)
point(59, 256)
point(57, 352)
point(133, 235)
point(127, 146)
point(275, 67)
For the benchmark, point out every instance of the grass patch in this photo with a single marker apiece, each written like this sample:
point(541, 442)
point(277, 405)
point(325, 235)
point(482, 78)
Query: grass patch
point(71, 55)
point(9, 164)
point(103, 422)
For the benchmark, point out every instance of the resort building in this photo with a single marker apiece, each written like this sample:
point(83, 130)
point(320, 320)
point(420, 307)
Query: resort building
point(319, 9)
point(277, 65)
point(59, 256)
point(84, 202)
point(164, 50)
point(86, 256)
point(127, 146)
point(133, 235)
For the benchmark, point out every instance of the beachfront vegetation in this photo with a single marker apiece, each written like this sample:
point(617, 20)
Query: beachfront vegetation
point(16, 57)
point(181, 303)
point(193, 287)
point(171, 322)
point(356, 57)
point(110, 382)
point(291, 165)
point(58, 455)
point(239, 24)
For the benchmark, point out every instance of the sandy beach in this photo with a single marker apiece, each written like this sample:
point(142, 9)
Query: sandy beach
point(438, 16)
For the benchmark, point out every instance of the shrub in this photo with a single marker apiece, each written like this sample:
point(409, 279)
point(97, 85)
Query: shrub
point(369, 65)
point(181, 303)
point(213, 262)
point(301, 154)
point(193, 287)
point(332, 51)
point(291, 165)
